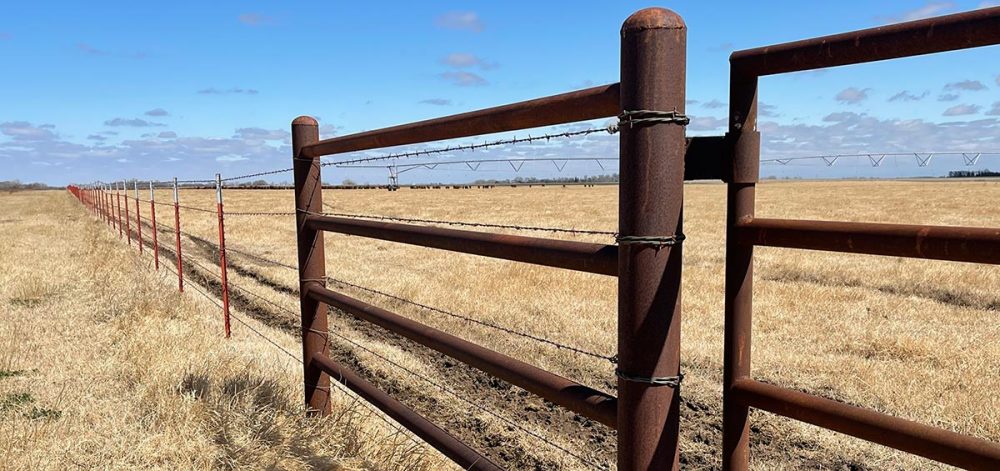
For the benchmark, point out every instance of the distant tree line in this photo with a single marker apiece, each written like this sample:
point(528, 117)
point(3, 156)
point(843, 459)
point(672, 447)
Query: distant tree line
point(612, 178)
point(972, 173)
point(15, 185)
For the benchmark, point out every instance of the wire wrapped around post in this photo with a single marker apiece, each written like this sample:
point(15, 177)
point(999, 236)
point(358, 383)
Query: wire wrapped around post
point(312, 265)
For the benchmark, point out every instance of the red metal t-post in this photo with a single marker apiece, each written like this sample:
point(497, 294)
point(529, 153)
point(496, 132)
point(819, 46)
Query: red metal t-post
point(312, 264)
point(128, 219)
point(138, 217)
point(118, 197)
point(152, 218)
point(222, 253)
point(653, 44)
point(177, 237)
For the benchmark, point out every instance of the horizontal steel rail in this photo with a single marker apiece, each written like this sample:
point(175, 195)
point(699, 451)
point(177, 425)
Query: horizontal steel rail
point(576, 397)
point(940, 34)
point(960, 244)
point(580, 256)
point(591, 103)
point(912, 437)
point(448, 445)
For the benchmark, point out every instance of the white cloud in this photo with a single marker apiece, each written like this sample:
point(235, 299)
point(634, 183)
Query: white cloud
point(463, 59)
point(463, 79)
point(968, 85)
point(231, 158)
point(460, 20)
point(436, 101)
point(961, 110)
point(852, 95)
point(132, 122)
point(157, 112)
point(926, 11)
point(229, 91)
point(905, 95)
point(25, 131)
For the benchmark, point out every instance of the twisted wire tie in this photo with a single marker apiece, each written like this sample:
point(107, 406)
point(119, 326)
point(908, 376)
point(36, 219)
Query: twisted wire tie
point(654, 241)
point(670, 381)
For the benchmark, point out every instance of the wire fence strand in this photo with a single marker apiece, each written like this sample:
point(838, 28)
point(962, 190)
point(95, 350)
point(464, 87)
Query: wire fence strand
point(473, 147)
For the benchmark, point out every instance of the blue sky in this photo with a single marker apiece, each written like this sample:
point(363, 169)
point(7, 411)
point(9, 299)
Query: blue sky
point(111, 90)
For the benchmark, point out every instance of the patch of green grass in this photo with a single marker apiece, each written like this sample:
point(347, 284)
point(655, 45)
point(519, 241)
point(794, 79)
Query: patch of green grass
point(43, 413)
point(13, 373)
point(16, 400)
point(25, 302)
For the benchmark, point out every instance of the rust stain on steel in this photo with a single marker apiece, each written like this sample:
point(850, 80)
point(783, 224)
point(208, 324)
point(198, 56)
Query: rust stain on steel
point(971, 29)
point(448, 445)
point(591, 103)
point(912, 437)
point(576, 397)
point(960, 244)
point(651, 197)
point(310, 251)
point(580, 256)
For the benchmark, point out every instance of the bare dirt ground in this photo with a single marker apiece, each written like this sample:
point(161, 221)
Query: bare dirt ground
point(911, 338)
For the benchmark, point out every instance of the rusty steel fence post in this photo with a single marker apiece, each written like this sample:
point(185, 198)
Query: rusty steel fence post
point(652, 147)
point(312, 264)
point(152, 219)
point(177, 238)
point(743, 173)
point(118, 198)
point(128, 219)
point(222, 254)
point(138, 217)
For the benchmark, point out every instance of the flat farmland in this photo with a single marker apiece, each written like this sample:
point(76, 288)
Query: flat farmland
point(913, 338)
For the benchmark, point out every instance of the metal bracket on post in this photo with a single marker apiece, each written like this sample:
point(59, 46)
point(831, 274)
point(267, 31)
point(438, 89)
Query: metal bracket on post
point(177, 237)
point(653, 50)
point(312, 264)
point(222, 253)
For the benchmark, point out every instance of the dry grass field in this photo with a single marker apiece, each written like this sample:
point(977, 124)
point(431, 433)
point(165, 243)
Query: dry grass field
point(912, 338)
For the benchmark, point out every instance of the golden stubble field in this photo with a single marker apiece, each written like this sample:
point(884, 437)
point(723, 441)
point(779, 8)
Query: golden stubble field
point(912, 338)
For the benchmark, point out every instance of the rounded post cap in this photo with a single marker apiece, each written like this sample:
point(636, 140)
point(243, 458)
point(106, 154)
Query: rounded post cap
point(305, 121)
point(652, 18)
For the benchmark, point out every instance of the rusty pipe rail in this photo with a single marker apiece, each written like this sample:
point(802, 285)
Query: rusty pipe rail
point(912, 437)
point(944, 33)
point(578, 398)
point(448, 445)
point(581, 105)
point(580, 256)
point(960, 244)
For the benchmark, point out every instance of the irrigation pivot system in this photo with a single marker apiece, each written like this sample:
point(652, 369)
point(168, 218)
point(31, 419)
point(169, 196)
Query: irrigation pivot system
point(655, 158)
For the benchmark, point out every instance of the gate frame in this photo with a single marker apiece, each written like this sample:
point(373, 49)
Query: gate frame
point(743, 231)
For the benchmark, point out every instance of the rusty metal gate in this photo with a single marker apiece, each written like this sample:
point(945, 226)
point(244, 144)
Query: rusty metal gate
point(964, 244)
point(655, 159)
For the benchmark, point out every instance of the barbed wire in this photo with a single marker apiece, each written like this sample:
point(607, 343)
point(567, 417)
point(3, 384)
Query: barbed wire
point(258, 174)
point(464, 399)
point(472, 147)
point(261, 258)
point(463, 223)
point(259, 213)
point(375, 411)
point(536, 338)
